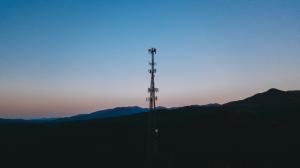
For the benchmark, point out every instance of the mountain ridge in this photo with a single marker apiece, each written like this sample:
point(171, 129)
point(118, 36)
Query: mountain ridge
point(271, 97)
point(251, 132)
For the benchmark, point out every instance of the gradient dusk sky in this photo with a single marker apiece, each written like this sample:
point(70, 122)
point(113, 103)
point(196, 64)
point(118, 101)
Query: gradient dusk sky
point(64, 57)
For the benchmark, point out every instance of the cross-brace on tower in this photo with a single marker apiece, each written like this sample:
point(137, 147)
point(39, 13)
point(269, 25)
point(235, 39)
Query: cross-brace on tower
point(153, 131)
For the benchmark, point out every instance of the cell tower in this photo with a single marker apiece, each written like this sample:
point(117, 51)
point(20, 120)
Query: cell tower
point(153, 131)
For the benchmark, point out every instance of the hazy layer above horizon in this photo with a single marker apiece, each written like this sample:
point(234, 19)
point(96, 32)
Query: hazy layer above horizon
point(59, 58)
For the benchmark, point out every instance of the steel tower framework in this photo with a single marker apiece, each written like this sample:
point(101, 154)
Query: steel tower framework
point(153, 131)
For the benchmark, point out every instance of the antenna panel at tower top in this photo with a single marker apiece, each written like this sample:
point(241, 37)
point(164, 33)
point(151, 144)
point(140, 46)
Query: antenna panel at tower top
point(152, 50)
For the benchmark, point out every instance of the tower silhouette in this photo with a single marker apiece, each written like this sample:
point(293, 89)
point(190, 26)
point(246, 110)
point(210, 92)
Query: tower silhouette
point(153, 131)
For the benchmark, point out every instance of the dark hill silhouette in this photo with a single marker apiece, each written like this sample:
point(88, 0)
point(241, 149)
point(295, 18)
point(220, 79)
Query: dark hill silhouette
point(119, 111)
point(272, 97)
point(261, 131)
point(101, 114)
point(272, 105)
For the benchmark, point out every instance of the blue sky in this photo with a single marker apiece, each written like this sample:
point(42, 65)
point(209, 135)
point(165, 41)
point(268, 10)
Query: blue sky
point(64, 57)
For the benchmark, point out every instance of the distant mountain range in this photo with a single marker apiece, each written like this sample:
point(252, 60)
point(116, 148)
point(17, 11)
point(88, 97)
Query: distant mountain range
point(118, 111)
point(271, 99)
point(261, 131)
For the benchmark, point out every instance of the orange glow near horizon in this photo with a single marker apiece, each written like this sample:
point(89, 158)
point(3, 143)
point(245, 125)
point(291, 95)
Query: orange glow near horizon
point(47, 106)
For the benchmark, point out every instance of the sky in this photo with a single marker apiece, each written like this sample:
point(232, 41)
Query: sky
point(65, 57)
